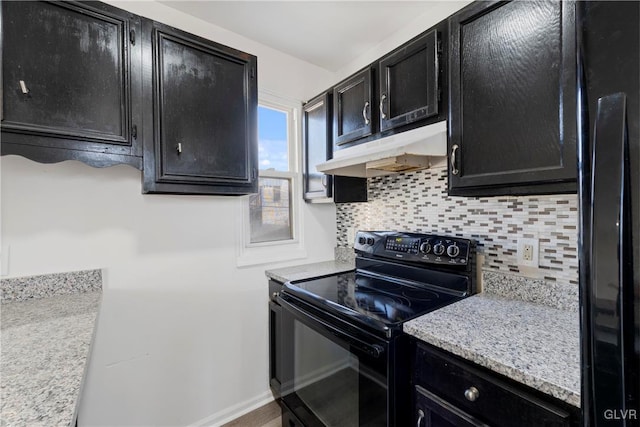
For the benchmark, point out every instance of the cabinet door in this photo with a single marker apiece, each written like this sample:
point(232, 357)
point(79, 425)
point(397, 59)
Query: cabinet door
point(512, 98)
point(316, 128)
point(409, 83)
point(317, 148)
point(352, 108)
point(71, 82)
point(204, 117)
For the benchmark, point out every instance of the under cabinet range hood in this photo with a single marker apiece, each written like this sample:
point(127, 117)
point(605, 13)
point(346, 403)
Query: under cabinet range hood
point(402, 152)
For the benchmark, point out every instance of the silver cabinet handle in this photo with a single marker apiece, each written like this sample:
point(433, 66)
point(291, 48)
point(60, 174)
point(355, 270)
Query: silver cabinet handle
point(382, 98)
point(471, 394)
point(364, 113)
point(420, 417)
point(179, 147)
point(23, 87)
point(325, 181)
point(275, 295)
point(454, 150)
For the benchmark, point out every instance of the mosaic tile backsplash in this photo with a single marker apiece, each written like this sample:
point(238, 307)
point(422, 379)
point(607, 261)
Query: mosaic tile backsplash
point(418, 202)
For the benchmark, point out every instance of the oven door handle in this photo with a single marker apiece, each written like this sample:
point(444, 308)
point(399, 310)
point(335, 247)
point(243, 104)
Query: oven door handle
point(373, 350)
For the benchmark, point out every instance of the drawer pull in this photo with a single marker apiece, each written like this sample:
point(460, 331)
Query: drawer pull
point(471, 394)
point(420, 417)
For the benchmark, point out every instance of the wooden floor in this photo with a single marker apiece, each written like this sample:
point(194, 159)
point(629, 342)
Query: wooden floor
point(265, 416)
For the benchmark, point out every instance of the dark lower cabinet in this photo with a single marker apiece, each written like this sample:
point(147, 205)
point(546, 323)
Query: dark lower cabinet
point(317, 148)
point(275, 352)
point(409, 88)
point(202, 138)
point(449, 391)
point(353, 110)
point(512, 98)
point(71, 82)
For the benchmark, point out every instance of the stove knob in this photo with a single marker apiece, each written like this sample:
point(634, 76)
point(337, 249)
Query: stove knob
point(425, 248)
point(362, 240)
point(370, 241)
point(438, 249)
point(453, 251)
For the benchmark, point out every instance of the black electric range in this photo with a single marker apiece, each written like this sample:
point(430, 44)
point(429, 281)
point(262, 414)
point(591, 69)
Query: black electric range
point(398, 276)
point(344, 331)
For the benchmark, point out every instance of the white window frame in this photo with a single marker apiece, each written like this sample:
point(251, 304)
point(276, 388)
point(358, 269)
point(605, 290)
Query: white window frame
point(280, 250)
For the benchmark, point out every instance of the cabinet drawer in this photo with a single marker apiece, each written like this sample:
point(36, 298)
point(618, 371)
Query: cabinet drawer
point(433, 411)
point(484, 395)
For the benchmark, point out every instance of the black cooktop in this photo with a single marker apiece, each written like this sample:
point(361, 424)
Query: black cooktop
point(398, 277)
point(381, 300)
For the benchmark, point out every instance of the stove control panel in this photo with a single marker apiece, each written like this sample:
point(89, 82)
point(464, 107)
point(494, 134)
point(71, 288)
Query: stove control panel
point(414, 247)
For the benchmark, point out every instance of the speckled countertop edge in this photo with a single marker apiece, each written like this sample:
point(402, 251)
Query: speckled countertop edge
point(533, 343)
point(48, 285)
point(46, 341)
point(306, 271)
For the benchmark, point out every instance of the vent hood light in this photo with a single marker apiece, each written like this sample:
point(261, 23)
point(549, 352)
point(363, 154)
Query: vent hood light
point(402, 152)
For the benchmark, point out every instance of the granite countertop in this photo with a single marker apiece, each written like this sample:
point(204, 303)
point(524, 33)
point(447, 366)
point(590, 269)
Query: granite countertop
point(45, 346)
point(525, 340)
point(306, 271)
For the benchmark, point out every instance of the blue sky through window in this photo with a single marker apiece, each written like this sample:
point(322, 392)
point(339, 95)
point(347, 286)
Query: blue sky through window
point(273, 151)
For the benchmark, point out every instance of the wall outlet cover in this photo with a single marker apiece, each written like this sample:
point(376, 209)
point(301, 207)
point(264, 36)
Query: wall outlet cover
point(528, 252)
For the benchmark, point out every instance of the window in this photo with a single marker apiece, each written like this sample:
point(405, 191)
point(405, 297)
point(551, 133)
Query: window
point(270, 209)
point(271, 217)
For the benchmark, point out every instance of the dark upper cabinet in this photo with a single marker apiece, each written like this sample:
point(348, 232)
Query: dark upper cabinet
point(202, 137)
point(353, 108)
point(317, 148)
point(71, 82)
point(512, 99)
point(403, 90)
point(316, 131)
point(409, 82)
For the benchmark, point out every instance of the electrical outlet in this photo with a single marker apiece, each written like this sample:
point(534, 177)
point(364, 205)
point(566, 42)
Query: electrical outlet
point(528, 252)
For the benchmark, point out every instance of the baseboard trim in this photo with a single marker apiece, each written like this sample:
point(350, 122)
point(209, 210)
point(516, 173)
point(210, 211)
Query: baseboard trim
point(235, 411)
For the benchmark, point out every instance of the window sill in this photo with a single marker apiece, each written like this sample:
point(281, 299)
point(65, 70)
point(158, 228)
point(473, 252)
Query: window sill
point(269, 254)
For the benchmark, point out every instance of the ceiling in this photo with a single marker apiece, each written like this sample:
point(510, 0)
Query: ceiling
point(329, 34)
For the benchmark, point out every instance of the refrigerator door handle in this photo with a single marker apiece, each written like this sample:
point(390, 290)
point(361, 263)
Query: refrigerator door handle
point(610, 252)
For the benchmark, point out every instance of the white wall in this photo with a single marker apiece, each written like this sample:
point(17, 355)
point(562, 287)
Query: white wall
point(182, 335)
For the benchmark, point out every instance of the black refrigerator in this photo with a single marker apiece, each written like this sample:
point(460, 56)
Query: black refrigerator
point(608, 41)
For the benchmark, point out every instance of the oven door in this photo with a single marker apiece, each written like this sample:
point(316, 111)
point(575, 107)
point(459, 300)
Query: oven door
point(333, 373)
